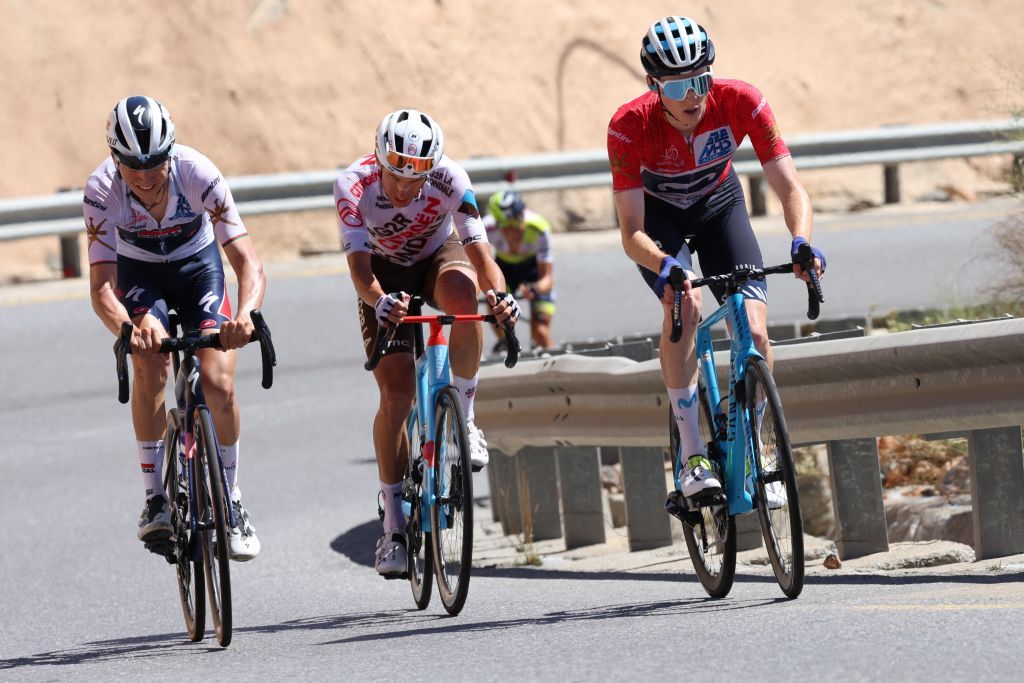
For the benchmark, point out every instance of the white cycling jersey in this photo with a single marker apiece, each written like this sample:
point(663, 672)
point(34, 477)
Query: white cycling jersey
point(199, 208)
point(371, 223)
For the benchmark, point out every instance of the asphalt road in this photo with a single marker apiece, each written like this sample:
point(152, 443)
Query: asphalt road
point(81, 598)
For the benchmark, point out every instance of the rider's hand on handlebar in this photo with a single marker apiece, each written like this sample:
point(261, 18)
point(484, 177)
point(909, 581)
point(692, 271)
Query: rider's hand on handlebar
point(391, 308)
point(667, 264)
point(504, 306)
point(819, 259)
point(234, 334)
point(145, 341)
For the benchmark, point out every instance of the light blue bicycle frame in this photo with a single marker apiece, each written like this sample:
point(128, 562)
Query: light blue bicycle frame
point(738, 442)
point(433, 374)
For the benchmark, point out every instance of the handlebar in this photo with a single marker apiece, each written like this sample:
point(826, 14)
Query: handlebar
point(385, 334)
point(191, 342)
point(804, 258)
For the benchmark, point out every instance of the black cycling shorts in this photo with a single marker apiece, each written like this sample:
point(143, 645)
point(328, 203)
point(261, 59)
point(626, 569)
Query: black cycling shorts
point(193, 286)
point(717, 229)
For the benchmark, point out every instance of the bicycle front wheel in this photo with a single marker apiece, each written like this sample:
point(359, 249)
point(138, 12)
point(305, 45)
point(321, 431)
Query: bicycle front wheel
point(711, 542)
point(777, 499)
point(191, 590)
point(451, 516)
point(212, 505)
point(420, 554)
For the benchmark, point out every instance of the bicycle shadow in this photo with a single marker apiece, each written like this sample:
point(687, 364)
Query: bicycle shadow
point(156, 645)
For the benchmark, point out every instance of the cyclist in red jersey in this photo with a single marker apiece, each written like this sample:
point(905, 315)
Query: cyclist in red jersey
point(676, 193)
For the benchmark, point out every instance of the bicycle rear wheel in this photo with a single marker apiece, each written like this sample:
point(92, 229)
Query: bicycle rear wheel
point(451, 516)
point(420, 554)
point(778, 503)
point(214, 519)
point(711, 541)
point(189, 566)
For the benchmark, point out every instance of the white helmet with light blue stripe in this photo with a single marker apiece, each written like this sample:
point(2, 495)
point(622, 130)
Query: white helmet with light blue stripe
point(675, 45)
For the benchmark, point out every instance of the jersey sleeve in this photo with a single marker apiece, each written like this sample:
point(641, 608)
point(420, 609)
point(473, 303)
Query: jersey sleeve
point(761, 126)
point(468, 223)
point(623, 156)
point(216, 199)
point(491, 229)
point(98, 211)
point(352, 226)
point(543, 228)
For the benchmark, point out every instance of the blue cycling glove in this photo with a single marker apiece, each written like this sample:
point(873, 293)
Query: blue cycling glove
point(667, 264)
point(818, 253)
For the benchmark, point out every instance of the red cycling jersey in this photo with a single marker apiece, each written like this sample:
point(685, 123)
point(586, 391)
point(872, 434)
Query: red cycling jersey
point(646, 151)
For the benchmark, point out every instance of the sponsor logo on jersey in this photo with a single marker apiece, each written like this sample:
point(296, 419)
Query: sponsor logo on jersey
point(207, 324)
point(209, 188)
point(95, 232)
point(135, 294)
point(407, 245)
point(137, 220)
point(713, 145)
point(218, 213)
point(619, 136)
point(183, 209)
point(92, 202)
point(349, 214)
point(356, 189)
point(442, 180)
point(208, 300)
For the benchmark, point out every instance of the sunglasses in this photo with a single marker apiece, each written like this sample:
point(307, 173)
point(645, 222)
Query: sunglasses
point(678, 89)
point(142, 163)
point(416, 164)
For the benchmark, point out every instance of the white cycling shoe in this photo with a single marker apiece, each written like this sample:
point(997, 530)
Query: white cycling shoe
point(390, 558)
point(155, 520)
point(478, 454)
point(245, 545)
point(775, 494)
point(697, 480)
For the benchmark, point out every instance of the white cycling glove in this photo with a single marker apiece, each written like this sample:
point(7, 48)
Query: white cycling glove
point(513, 305)
point(384, 305)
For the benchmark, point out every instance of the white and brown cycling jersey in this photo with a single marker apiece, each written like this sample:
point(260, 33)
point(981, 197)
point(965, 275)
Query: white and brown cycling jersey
point(371, 223)
point(199, 208)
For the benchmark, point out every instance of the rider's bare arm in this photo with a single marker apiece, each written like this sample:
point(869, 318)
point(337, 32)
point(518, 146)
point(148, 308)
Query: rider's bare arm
point(102, 285)
point(796, 205)
point(629, 205)
point(252, 283)
point(487, 271)
point(546, 281)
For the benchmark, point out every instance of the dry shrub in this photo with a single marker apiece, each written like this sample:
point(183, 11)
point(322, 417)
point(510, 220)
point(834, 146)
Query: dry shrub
point(910, 460)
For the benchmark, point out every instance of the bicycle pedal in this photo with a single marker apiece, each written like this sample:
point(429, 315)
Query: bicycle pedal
point(164, 547)
point(708, 500)
point(676, 506)
point(393, 577)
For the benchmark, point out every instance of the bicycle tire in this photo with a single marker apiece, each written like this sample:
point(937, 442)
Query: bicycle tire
point(716, 566)
point(214, 515)
point(188, 564)
point(782, 528)
point(420, 553)
point(451, 517)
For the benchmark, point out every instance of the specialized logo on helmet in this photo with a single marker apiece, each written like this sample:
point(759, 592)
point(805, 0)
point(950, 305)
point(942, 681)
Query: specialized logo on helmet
point(141, 115)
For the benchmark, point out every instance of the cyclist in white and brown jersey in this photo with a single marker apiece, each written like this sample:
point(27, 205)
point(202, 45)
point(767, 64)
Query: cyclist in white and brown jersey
point(155, 213)
point(410, 225)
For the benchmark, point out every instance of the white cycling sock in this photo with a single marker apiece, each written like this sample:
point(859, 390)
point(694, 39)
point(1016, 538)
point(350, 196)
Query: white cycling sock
point(229, 458)
point(686, 410)
point(151, 459)
point(394, 519)
point(467, 392)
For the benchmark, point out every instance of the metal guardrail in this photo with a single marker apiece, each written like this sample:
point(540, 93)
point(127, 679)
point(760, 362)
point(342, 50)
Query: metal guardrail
point(922, 381)
point(60, 214)
point(965, 380)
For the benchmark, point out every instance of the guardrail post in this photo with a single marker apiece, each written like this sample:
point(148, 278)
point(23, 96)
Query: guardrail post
point(579, 484)
point(645, 489)
point(538, 493)
point(758, 200)
point(70, 256)
point(892, 184)
point(997, 491)
point(857, 497)
point(505, 492)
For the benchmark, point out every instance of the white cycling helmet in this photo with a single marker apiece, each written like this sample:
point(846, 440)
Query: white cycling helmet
point(409, 143)
point(675, 45)
point(140, 132)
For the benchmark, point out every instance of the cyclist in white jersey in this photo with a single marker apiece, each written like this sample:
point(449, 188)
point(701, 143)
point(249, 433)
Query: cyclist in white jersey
point(396, 209)
point(154, 214)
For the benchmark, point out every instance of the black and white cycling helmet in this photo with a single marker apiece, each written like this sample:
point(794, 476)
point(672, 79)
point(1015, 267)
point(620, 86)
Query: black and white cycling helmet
point(409, 143)
point(675, 45)
point(140, 132)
